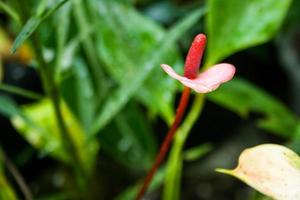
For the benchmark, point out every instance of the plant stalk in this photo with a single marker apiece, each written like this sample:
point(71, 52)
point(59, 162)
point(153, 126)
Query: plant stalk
point(174, 163)
point(167, 141)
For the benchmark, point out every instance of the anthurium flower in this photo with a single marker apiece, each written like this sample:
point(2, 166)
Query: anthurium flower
point(203, 83)
point(206, 81)
point(273, 170)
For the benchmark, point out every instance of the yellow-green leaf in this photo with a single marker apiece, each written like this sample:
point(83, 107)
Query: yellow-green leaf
point(38, 126)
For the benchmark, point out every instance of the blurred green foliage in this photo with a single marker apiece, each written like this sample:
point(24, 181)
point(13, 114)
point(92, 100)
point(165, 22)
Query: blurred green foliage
point(99, 60)
point(38, 125)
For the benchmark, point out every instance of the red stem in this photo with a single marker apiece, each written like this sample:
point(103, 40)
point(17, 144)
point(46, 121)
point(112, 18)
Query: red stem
point(166, 143)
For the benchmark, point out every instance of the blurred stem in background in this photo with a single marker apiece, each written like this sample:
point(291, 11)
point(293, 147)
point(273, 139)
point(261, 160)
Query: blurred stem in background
point(16, 174)
point(19, 91)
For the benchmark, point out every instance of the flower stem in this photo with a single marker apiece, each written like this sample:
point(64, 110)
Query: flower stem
point(174, 163)
point(166, 143)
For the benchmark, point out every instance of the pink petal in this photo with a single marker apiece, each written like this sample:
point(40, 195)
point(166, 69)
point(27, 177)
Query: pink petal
point(207, 81)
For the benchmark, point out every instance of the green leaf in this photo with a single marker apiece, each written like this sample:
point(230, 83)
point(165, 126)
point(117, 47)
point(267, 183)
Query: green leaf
point(77, 90)
point(85, 23)
point(197, 152)
point(62, 60)
point(272, 169)
point(33, 22)
point(124, 93)
point(10, 11)
point(42, 132)
point(126, 52)
point(234, 25)
point(242, 97)
point(129, 139)
point(8, 107)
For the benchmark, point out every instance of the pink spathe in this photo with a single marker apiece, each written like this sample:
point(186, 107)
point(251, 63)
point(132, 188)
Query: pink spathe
point(206, 81)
